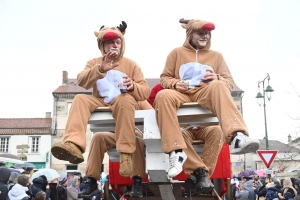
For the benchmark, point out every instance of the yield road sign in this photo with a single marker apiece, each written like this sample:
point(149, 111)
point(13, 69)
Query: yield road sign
point(267, 156)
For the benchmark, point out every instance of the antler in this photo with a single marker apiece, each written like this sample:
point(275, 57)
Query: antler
point(184, 21)
point(122, 26)
point(101, 27)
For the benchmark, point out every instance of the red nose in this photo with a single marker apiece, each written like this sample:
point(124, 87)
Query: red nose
point(208, 27)
point(110, 35)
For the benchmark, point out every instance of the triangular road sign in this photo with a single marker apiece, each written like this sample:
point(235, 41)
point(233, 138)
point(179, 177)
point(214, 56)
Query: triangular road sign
point(267, 156)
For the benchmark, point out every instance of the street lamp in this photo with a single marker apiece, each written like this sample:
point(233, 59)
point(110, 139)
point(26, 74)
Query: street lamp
point(261, 97)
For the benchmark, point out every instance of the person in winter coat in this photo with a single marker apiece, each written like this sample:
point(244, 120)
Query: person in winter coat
point(4, 176)
point(53, 189)
point(271, 192)
point(62, 189)
point(252, 195)
point(278, 187)
point(12, 180)
point(242, 192)
point(18, 191)
point(297, 187)
point(40, 184)
point(72, 191)
point(287, 187)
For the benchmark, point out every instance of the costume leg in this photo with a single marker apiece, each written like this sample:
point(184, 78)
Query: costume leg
point(216, 97)
point(166, 104)
point(82, 107)
point(138, 158)
point(100, 144)
point(123, 108)
point(193, 159)
point(214, 139)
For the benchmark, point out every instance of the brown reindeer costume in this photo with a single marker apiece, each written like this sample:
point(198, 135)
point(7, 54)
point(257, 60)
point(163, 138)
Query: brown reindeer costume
point(123, 106)
point(188, 61)
point(214, 96)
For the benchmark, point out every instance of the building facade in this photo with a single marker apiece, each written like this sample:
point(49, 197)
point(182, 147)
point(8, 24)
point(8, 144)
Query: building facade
point(28, 139)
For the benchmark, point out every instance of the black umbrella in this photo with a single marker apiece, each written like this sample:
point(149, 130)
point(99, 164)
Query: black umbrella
point(26, 166)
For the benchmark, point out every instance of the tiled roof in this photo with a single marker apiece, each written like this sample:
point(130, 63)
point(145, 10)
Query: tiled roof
point(13, 123)
point(27, 126)
point(276, 145)
point(71, 87)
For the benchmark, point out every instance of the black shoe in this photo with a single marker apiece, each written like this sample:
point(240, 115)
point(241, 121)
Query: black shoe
point(200, 181)
point(137, 187)
point(90, 188)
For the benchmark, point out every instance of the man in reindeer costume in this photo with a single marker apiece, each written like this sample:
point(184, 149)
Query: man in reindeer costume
point(105, 74)
point(194, 73)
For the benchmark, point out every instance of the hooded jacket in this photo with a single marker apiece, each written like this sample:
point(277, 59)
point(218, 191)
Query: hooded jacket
point(188, 55)
point(243, 194)
point(89, 76)
point(252, 195)
point(39, 184)
point(271, 193)
point(4, 176)
point(18, 192)
point(72, 192)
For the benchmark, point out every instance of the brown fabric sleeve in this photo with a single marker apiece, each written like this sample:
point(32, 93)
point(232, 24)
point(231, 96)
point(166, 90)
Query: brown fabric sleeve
point(88, 77)
point(166, 78)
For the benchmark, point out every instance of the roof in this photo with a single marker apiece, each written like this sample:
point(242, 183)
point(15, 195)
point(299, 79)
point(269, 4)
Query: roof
point(27, 126)
point(72, 87)
point(276, 145)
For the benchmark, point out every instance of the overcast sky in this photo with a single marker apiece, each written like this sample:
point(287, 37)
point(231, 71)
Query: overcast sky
point(40, 39)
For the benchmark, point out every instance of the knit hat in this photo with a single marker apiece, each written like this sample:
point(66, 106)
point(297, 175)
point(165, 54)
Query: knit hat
point(63, 181)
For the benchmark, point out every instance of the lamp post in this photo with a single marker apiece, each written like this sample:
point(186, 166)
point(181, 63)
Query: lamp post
point(261, 97)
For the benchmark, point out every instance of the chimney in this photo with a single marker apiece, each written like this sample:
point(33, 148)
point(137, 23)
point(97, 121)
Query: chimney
point(48, 114)
point(289, 138)
point(65, 77)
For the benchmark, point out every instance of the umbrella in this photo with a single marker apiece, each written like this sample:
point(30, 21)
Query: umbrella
point(247, 173)
point(24, 165)
point(10, 158)
point(16, 170)
point(49, 173)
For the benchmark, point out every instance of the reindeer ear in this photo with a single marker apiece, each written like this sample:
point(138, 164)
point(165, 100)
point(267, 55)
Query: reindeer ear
point(96, 33)
point(122, 27)
point(184, 26)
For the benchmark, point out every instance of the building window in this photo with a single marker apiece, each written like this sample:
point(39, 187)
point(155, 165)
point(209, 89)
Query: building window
point(72, 167)
point(35, 144)
point(4, 144)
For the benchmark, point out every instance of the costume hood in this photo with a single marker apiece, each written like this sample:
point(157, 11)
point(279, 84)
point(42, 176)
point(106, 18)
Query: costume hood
point(17, 192)
point(193, 25)
point(108, 33)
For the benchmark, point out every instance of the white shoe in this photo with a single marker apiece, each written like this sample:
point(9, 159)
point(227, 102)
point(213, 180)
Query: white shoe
point(242, 144)
point(176, 161)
